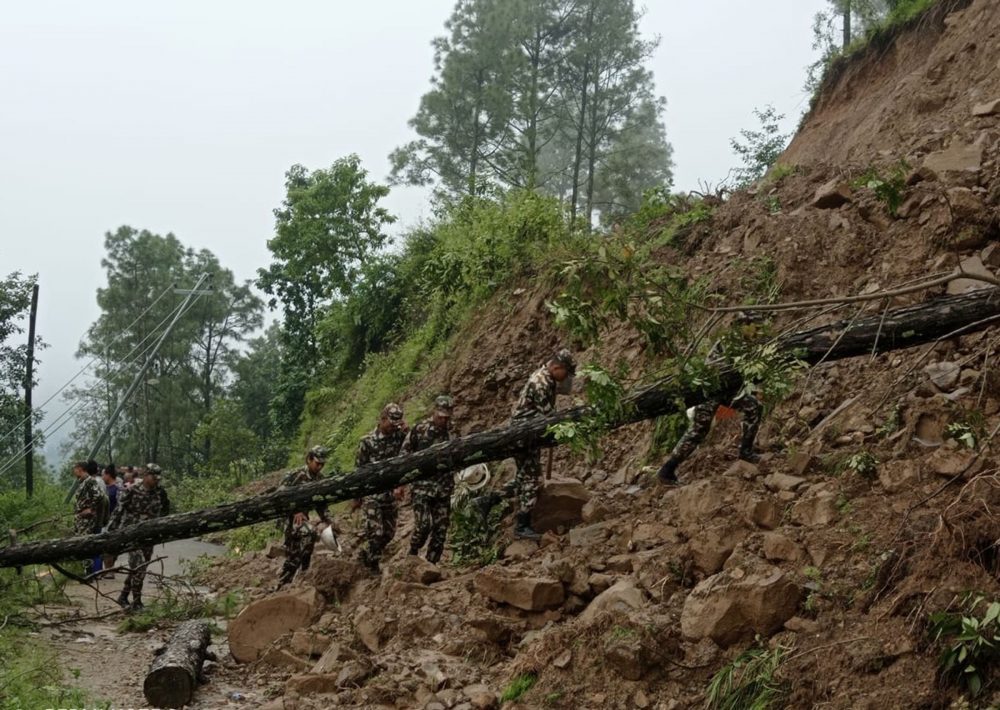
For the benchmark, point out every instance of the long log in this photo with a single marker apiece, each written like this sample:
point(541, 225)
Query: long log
point(174, 674)
point(893, 330)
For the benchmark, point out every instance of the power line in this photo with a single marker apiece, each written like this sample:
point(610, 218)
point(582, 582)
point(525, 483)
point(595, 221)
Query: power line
point(94, 359)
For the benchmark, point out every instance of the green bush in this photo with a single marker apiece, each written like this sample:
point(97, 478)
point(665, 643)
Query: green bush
point(518, 687)
point(969, 642)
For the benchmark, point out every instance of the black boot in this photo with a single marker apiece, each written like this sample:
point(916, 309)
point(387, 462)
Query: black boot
point(523, 527)
point(667, 474)
point(123, 599)
point(136, 604)
point(748, 454)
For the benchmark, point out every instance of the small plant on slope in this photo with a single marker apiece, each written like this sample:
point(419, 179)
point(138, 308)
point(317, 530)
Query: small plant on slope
point(518, 687)
point(969, 644)
point(748, 683)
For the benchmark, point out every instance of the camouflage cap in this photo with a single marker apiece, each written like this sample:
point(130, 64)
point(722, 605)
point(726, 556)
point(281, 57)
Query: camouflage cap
point(154, 469)
point(392, 411)
point(319, 453)
point(565, 358)
point(443, 404)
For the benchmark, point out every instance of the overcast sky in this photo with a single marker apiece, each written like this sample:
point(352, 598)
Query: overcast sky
point(183, 116)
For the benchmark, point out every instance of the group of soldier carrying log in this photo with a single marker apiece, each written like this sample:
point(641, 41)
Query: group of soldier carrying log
point(431, 498)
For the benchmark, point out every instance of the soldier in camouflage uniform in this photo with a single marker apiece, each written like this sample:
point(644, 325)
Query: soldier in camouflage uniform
point(91, 500)
point(742, 400)
point(379, 510)
point(300, 534)
point(140, 502)
point(431, 498)
point(537, 399)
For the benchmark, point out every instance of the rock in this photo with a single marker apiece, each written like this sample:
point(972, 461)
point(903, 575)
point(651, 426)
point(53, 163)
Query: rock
point(800, 461)
point(627, 656)
point(309, 643)
point(590, 536)
point(354, 673)
point(594, 511)
point(970, 265)
point(311, 684)
point(560, 503)
point(743, 469)
point(988, 108)
point(280, 658)
point(703, 500)
point(896, 476)
point(622, 564)
point(520, 550)
point(563, 659)
point(815, 508)
point(944, 375)
point(528, 593)
point(640, 699)
point(599, 582)
point(481, 697)
point(369, 627)
point(711, 548)
point(737, 603)
point(783, 482)
point(990, 256)
point(623, 596)
point(263, 621)
point(959, 164)
point(802, 626)
point(273, 551)
point(765, 513)
point(647, 535)
point(332, 657)
point(949, 463)
point(778, 548)
point(967, 206)
point(417, 570)
point(920, 175)
point(334, 576)
point(832, 195)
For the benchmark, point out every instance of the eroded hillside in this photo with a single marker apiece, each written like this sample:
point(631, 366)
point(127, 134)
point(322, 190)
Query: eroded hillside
point(874, 505)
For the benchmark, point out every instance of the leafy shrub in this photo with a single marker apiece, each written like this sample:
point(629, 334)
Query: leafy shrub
point(889, 188)
point(472, 540)
point(759, 149)
point(748, 683)
point(863, 464)
point(969, 644)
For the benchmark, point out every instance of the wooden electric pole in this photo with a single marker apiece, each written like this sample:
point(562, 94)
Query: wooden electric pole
point(29, 420)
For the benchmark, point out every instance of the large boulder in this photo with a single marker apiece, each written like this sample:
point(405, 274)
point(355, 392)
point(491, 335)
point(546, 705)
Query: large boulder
point(263, 621)
point(560, 503)
point(622, 596)
point(818, 507)
point(528, 593)
point(832, 195)
point(958, 164)
point(755, 598)
point(711, 548)
point(334, 576)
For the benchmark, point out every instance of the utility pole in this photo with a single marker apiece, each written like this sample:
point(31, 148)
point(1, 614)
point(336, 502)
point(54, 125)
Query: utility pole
point(847, 24)
point(29, 378)
point(140, 376)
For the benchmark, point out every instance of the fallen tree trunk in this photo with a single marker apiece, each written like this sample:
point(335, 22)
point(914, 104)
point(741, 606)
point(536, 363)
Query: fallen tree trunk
point(893, 330)
point(174, 674)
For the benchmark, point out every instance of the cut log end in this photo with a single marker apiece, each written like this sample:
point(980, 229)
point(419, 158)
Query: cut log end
point(173, 675)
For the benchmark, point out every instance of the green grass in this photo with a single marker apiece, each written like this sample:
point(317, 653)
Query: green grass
point(748, 683)
point(518, 687)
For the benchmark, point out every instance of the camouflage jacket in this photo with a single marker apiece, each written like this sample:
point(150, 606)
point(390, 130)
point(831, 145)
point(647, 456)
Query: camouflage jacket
point(377, 446)
point(538, 397)
point(136, 504)
point(88, 496)
point(422, 436)
point(297, 477)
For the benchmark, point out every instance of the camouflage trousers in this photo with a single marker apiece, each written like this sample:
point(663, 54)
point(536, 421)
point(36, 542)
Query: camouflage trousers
point(701, 423)
point(83, 525)
point(137, 562)
point(431, 516)
point(299, 543)
point(524, 486)
point(380, 515)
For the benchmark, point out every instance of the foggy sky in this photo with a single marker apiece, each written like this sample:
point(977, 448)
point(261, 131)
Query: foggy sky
point(183, 117)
